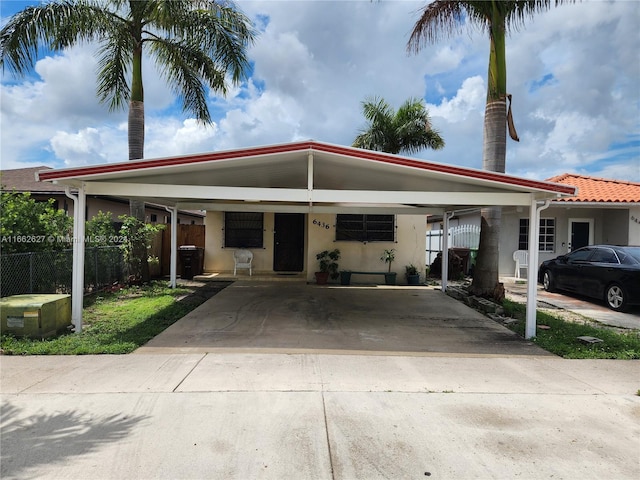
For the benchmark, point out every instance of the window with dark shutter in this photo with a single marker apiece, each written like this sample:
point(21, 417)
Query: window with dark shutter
point(243, 229)
point(365, 228)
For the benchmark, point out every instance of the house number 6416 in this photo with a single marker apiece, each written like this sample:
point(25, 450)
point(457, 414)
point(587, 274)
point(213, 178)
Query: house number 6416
point(324, 225)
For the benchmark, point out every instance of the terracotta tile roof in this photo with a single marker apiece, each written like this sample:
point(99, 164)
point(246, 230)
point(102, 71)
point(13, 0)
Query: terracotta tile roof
point(24, 180)
point(603, 190)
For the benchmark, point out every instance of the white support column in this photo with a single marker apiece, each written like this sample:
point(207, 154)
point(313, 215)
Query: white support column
point(445, 250)
point(77, 283)
point(532, 266)
point(174, 246)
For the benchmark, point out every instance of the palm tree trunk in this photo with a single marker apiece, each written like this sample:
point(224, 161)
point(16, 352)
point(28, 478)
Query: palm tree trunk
point(140, 268)
point(494, 149)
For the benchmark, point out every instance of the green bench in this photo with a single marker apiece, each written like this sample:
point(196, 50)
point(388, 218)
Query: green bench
point(345, 276)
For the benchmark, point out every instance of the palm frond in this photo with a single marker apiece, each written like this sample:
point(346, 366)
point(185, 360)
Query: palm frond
point(114, 65)
point(189, 71)
point(445, 18)
point(220, 30)
point(52, 26)
point(439, 19)
point(407, 130)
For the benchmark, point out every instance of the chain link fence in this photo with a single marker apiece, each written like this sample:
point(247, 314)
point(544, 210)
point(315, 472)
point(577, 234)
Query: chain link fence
point(51, 272)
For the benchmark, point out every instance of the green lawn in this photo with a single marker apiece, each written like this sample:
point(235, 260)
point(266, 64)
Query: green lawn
point(561, 336)
point(119, 322)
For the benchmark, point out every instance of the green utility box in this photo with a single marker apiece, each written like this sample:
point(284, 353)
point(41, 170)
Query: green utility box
point(36, 315)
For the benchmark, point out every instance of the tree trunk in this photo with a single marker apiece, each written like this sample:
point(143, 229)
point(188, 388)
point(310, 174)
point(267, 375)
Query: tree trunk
point(136, 207)
point(494, 149)
point(485, 277)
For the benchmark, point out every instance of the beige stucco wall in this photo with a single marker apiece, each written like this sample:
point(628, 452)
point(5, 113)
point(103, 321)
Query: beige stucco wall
point(217, 258)
point(320, 235)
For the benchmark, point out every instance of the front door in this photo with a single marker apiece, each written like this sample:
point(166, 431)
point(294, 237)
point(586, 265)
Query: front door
point(580, 233)
point(288, 238)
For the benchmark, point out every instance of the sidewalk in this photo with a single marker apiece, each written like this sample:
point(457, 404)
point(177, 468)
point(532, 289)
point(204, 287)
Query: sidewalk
point(318, 416)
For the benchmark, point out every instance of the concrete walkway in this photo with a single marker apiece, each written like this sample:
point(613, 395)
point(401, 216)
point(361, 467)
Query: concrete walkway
point(315, 416)
point(586, 307)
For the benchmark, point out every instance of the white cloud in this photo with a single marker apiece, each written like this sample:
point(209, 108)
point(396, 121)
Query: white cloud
point(82, 148)
point(469, 100)
point(169, 136)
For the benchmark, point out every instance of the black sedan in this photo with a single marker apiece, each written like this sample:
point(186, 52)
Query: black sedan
point(605, 272)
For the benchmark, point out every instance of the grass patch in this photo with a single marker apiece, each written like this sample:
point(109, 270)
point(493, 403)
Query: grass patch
point(119, 322)
point(561, 337)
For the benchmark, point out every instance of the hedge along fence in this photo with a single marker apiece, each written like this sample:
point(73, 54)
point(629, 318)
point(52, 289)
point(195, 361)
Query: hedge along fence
point(51, 272)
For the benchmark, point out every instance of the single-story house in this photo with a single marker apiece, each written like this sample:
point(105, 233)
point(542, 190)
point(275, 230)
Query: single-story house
point(603, 211)
point(290, 201)
point(24, 180)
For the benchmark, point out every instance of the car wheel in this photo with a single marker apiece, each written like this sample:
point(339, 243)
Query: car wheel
point(616, 298)
point(547, 281)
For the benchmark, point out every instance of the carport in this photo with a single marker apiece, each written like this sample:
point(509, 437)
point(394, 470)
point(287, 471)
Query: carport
point(304, 177)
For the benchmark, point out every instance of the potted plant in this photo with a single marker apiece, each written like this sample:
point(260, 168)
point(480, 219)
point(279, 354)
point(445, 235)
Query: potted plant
point(412, 274)
point(388, 256)
point(328, 265)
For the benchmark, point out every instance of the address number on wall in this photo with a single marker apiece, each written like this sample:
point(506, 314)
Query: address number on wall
point(324, 225)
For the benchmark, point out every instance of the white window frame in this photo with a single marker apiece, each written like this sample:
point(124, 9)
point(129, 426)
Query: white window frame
point(544, 245)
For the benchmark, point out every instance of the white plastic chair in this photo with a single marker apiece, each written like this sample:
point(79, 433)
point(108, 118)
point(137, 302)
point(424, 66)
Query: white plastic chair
point(521, 257)
point(242, 259)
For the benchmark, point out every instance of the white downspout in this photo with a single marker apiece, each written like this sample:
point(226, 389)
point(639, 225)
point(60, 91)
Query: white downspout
point(174, 246)
point(532, 266)
point(445, 249)
point(77, 283)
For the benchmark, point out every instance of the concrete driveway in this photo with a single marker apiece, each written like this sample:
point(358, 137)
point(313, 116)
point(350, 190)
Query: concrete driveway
point(578, 304)
point(297, 318)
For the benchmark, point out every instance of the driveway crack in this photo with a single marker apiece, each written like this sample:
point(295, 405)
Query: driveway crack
point(326, 429)
point(189, 373)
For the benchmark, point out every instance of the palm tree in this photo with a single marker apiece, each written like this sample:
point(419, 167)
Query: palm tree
point(444, 18)
point(194, 43)
point(407, 130)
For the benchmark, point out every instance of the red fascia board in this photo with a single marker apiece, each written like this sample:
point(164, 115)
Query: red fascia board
point(300, 146)
point(169, 162)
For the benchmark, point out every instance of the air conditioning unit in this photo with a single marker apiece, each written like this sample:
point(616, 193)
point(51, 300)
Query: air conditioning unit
point(35, 315)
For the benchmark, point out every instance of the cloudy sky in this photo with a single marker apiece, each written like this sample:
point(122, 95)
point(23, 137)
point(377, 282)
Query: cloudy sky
point(574, 73)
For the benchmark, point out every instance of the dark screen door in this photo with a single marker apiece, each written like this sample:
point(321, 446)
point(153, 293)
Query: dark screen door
point(579, 235)
point(288, 252)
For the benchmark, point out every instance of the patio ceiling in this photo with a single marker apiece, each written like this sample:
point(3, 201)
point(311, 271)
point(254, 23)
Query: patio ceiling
point(306, 176)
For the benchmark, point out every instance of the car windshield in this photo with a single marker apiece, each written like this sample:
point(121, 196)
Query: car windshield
point(629, 255)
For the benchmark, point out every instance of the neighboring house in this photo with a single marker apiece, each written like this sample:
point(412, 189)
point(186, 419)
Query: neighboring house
point(603, 211)
point(24, 180)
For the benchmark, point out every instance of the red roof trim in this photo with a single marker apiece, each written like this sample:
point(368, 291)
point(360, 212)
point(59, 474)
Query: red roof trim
point(170, 161)
point(298, 146)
